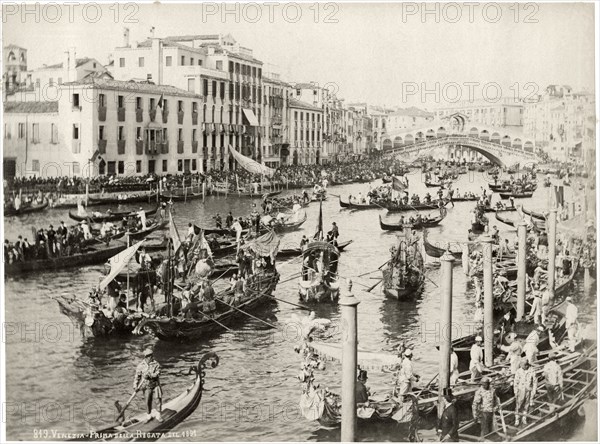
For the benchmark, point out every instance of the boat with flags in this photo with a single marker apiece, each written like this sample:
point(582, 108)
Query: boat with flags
point(197, 311)
point(404, 274)
point(319, 280)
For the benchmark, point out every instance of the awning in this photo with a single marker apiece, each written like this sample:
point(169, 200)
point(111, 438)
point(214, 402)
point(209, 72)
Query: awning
point(250, 117)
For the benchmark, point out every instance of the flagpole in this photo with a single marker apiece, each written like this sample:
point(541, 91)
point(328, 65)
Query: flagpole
point(127, 298)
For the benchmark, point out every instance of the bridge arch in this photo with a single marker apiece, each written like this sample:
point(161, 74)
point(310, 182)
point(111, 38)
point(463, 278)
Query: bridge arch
point(387, 144)
point(430, 134)
point(506, 141)
point(495, 137)
point(441, 132)
point(528, 146)
point(409, 139)
point(484, 135)
point(398, 142)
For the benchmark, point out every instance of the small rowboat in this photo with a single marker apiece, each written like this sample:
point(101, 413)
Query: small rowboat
point(137, 235)
point(465, 199)
point(91, 255)
point(537, 225)
point(253, 195)
point(27, 209)
point(414, 226)
point(180, 195)
point(433, 184)
point(174, 411)
point(523, 195)
point(359, 206)
point(108, 216)
point(286, 227)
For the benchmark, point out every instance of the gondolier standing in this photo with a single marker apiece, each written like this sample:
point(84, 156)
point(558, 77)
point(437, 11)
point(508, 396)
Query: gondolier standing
point(406, 376)
point(484, 404)
point(571, 321)
point(448, 422)
point(524, 386)
point(476, 364)
point(147, 379)
point(553, 379)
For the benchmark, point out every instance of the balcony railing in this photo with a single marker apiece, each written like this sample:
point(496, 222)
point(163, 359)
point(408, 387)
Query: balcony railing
point(152, 147)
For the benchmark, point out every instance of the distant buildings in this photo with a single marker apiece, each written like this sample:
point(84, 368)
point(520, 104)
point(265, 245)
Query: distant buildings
point(14, 60)
point(505, 112)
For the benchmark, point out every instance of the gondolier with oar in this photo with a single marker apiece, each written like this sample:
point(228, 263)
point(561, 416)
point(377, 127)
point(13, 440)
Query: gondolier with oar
point(147, 379)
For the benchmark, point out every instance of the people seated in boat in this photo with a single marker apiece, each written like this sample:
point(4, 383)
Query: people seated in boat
point(147, 379)
point(427, 199)
point(418, 219)
point(411, 220)
point(362, 392)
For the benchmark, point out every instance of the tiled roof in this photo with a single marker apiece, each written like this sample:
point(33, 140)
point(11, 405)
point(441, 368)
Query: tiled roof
point(293, 103)
point(189, 38)
point(305, 86)
point(123, 85)
point(30, 107)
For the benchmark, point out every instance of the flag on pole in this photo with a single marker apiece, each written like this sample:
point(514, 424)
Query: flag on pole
point(398, 185)
point(161, 101)
point(118, 262)
point(204, 244)
point(95, 156)
point(174, 233)
point(319, 234)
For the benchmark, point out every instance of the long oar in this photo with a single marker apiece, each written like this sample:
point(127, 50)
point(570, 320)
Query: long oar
point(122, 410)
point(373, 287)
point(304, 307)
point(246, 313)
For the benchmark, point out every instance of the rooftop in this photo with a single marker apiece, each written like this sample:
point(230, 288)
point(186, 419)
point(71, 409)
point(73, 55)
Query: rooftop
point(30, 107)
point(411, 112)
point(293, 103)
point(11, 45)
point(78, 63)
point(192, 37)
point(170, 44)
point(133, 86)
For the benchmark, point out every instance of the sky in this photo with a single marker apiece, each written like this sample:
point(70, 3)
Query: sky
point(410, 54)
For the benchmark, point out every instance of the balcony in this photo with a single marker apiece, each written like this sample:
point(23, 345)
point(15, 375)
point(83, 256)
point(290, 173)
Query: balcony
point(102, 146)
point(152, 114)
point(180, 147)
point(139, 147)
point(139, 115)
point(120, 147)
point(180, 115)
point(121, 114)
point(152, 148)
point(194, 117)
point(194, 146)
point(165, 116)
point(102, 113)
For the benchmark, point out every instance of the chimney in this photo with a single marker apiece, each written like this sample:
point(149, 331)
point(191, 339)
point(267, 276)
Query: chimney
point(72, 66)
point(157, 54)
point(126, 37)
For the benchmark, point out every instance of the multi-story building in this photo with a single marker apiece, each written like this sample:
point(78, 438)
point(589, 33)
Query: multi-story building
point(407, 118)
point(216, 67)
point(505, 112)
point(306, 135)
point(276, 140)
point(556, 120)
point(379, 123)
point(14, 60)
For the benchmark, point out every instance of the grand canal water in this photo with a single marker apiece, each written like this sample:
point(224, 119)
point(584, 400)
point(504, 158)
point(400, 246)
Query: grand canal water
point(59, 382)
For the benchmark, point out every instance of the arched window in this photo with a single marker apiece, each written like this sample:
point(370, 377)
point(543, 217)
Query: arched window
point(11, 57)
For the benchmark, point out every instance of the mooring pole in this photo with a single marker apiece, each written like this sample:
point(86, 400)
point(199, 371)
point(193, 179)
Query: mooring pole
point(446, 328)
point(349, 360)
point(551, 251)
point(488, 300)
point(521, 268)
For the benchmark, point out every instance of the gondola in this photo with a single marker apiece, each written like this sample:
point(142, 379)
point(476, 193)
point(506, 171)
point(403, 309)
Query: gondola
point(25, 209)
point(296, 252)
point(523, 195)
point(435, 251)
point(386, 179)
point(386, 226)
point(258, 295)
point(319, 280)
point(253, 195)
point(137, 235)
point(91, 255)
point(108, 216)
point(359, 206)
point(534, 214)
point(580, 384)
point(433, 184)
point(395, 208)
point(404, 275)
point(174, 411)
point(537, 225)
point(179, 195)
point(286, 227)
point(465, 199)
point(122, 200)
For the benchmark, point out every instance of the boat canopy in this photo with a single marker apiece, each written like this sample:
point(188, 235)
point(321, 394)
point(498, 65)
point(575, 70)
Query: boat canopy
point(250, 165)
point(366, 360)
point(117, 263)
point(320, 246)
point(265, 245)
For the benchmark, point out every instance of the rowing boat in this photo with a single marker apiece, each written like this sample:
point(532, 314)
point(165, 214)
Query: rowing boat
point(435, 251)
point(286, 227)
point(174, 411)
point(580, 384)
point(319, 280)
point(26, 209)
point(108, 216)
point(534, 214)
point(104, 200)
point(91, 255)
point(359, 206)
point(395, 208)
point(253, 195)
point(387, 226)
point(537, 225)
point(523, 195)
point(296, 252)
point(137, 235)
point(179, 195)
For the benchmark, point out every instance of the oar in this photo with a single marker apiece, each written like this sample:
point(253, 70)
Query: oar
point(373, 287)
point(502, 421)
point(292, 303)
point(246, 313)
point(122, 410)
point(427, 386)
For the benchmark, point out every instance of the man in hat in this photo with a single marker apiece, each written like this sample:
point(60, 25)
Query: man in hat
point(553, 379)
point(476, 365)
point(147, 379)
point(362, 392)
point(571, 323)
point(448, 423)
point(484, 404)
point(536, 308)
point(406, 376)
point(524, 386)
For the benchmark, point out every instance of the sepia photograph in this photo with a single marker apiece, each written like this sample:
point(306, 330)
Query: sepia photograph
point(304, 221)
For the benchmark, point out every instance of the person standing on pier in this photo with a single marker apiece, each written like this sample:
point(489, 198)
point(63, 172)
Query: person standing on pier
point(485, 403)
point(476, 365)
point(525, 387)
point(448, 422)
